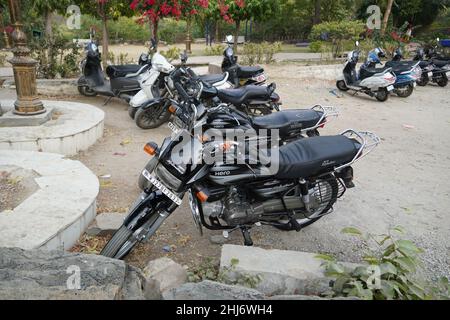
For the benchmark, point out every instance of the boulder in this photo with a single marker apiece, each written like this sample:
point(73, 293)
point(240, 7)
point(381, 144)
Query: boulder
point(43, 275)
point(106, 224)
point(166, 272)
point(281, 272)
point(210, 290)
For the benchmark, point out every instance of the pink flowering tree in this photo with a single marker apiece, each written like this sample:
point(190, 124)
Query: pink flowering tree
point(155, 10)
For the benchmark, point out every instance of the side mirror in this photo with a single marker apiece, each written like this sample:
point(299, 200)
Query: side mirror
point(184, 57)
point(153, 43)
point(229, 38)
point(357, 43)
point(437, 39)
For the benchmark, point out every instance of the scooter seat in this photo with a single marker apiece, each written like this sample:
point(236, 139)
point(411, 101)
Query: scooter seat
point(248, 72)
point(401, 66)
point(313, 156)
point(288, 120)
point(240, 95)
point(366, 72)
point(213, 78)
point(440, 63)
point(122, 71)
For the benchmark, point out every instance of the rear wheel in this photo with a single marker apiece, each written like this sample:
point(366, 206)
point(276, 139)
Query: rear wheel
point(327, 186)
point(382, 94)
point(405, 91)
point(423, 81)
point(86, 91)
point(152, 117)
point(341, 85)
point(442, 81)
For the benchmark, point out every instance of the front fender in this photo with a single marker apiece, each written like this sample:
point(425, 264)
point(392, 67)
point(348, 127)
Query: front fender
point(153, 102)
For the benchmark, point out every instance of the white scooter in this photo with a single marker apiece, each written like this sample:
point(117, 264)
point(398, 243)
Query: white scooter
point(379, 84)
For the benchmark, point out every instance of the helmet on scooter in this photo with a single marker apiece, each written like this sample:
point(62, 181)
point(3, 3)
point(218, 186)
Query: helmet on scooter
point(398, 54)
point(375, 55)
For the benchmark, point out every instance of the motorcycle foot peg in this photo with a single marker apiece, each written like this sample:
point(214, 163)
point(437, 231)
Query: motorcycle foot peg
point(247, 238)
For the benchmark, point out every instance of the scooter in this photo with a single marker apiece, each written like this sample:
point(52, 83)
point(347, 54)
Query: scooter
point(377, 83)
point(406, 72)
point(124, 80)
point(436, 71)
point(240, 75)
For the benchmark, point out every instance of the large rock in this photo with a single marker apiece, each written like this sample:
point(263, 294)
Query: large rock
point(106, 224)
point(281, 272)
point(43, 275)
point(166, 272)
point(209, 290)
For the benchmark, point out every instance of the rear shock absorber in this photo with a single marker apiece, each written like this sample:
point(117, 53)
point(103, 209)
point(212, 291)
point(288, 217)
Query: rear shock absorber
point(304, 190)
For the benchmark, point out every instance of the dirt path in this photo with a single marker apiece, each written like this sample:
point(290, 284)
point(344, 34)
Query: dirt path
point(405, 181)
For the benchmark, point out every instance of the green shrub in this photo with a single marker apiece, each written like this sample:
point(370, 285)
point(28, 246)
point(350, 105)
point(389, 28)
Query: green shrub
point(171, 54)
point(256, 53)
point(389, 273)
point(215, 50)
point(316, 46)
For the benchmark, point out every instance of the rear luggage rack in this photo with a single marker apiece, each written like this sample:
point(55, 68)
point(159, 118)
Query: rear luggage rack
point(328, 111)
point(368, 142)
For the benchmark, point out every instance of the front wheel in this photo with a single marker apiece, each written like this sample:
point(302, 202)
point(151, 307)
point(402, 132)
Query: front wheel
point(423, 81)
point(86, 91)
point(442, 81)
point(405, 91)
point(341, 85)
point(152, 117)
point(118, 240)
point(382, 95)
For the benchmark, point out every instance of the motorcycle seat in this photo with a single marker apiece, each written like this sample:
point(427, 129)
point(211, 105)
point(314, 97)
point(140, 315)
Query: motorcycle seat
point(424, 63)
point(401, 66)
point(313, 156)
point(213, 78)
point(288, 120)
point(240, 95)
point(440, 63)
point(122, 71)
point(248, 72)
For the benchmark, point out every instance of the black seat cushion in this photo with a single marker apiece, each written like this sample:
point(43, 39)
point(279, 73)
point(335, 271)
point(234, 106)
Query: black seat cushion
point(248, 72)
point(313, 156)
point(212, 78)
point(367, 72)
point(401, 66)
point(122, 71)
point(240, 95)
point(288, 121)
point(440, 63)
point(424, 63)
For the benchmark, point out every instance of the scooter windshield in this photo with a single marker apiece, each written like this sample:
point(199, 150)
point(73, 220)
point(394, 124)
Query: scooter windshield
point(160, 63)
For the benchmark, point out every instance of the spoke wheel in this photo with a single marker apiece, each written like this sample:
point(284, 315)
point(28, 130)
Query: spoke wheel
point(152, 117)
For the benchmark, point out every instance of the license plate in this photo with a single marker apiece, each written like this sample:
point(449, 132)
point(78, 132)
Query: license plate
point(390, 88)
point(430, 74)
point(172, 196)
point(260, 78)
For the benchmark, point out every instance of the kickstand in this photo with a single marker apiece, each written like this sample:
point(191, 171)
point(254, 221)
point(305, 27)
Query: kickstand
point(107, 101)
point(247, 238)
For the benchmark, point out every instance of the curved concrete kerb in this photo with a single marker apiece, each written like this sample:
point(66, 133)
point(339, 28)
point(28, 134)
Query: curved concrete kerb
point(56, 214)
point(73, 127)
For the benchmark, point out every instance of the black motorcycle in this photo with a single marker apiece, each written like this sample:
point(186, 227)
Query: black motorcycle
point(299, 184)
point(123, 80)
point(434, 70)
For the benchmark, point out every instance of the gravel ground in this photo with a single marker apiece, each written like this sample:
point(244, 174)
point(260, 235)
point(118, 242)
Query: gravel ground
point(405, 181)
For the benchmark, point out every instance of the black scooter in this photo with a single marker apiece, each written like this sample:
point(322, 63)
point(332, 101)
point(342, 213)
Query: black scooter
point(123, 80)
point(240, 75)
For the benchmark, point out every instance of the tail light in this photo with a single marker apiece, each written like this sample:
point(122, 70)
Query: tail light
point(324, 122)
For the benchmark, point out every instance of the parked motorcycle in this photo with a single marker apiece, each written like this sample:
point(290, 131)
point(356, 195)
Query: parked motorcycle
point(406, 72)
point(240, 75)
point(312, 174)
point(377, 83)
point(436, 71)
point(124, 80)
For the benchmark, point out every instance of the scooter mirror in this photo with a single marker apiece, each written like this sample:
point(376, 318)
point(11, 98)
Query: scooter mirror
point(184, 57)
point(229, 39)
point(437, 39)
point(357, 43)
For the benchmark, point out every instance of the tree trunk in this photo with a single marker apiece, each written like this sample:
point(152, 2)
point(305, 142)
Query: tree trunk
point(236, 36)
point(317, 12)
point(48, 25)
point(386, 16)
point(105, 44)
point(188, 35)
point(155, 31)
point(217, 40)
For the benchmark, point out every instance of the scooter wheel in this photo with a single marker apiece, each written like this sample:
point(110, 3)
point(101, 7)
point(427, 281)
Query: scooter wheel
point(382, 95)
point(85, 91)
point(442, 81)
point(132, 112)
point(423, 81)
point(341, 85)
point(406, 91)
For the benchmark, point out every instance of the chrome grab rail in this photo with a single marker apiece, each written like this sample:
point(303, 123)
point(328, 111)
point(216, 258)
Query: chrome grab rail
point(327, 112)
